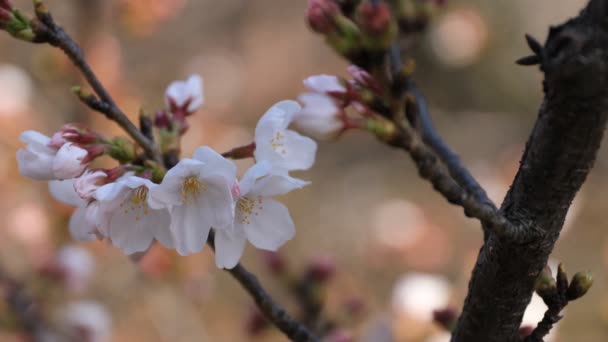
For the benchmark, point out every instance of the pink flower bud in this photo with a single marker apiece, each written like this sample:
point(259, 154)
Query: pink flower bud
point(275, 262)
point(6, 4)
point(79, 135)
point(162, 120)
point(68, 163)
point(321, 269)
point(321, 15)
point(93, 152)
point(5, 17)
point(375, 18)
point(57, 140)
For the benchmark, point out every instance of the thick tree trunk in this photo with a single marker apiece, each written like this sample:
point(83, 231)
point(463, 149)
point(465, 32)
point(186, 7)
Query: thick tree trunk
point(559, 154)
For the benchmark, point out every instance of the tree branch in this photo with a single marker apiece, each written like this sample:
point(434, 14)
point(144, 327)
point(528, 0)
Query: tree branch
point(48, 31)
point(430, 168)
point(452, 161)
point(293, 329)
point(558, 156)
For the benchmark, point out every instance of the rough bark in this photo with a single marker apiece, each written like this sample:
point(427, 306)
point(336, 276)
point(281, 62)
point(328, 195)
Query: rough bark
point(558, 156)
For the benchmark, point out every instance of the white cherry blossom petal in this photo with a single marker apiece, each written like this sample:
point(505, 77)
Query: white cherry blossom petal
point(80, 227)
point(276, 184)
point(324, 84)
point(268, 225)
point(214, 162)
point(64, 192)
point(180, 92)
point(68, 161)
point(229, 248)
point(189, 228)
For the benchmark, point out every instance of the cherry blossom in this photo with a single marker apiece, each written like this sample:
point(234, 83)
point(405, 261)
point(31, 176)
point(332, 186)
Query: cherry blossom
point(125, 217)
point(198, 194)
point(320, 118)
point(83, 222)
point(185, 95)
point(86, 321)
point(258, 218)
point(87, 184)
point(40, 160)
point(282, 147)
point(77, 266)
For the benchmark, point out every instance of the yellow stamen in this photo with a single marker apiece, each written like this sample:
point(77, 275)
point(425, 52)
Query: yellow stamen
point(248, 206)
point(192, 187)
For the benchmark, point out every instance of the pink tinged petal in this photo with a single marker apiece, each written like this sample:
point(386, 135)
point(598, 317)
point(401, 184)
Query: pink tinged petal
point(63, 191)
point(229, 248)
point(215, 163)
point(180, 92)
point(268, 226)
point(195, 87)
point(80, 227)
point(88, 183)
point(324, 84)
point(276, 184)
point(68, 161)
point(257, 171)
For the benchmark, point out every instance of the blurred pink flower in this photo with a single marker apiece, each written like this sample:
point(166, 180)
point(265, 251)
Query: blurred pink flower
point(185, 95)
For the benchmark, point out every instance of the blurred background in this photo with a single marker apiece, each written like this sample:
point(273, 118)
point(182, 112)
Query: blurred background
point(387, 249)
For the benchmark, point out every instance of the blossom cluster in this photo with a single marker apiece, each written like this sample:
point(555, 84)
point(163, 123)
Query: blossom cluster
point(131, 207)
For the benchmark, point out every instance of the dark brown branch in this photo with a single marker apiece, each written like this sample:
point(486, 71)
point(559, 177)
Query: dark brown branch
point(431, 168)
point(48, 31)
point(271, 310)
point(275, 314)
point(451, 160)
point(559, 154)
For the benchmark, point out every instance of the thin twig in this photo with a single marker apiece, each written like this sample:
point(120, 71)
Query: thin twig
point(48, 31)
point(451, 160)
point(431, 169)
point(273, 311)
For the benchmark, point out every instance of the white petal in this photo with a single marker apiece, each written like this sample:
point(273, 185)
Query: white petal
point(133, 231)
point(271, 227)
point(64, 192)
point(68, 161)
point(79, 226)
point(278, 117)
point(276, 184)
point(33, 137)
point(189, 229)
point(215, 163)
point(109, 192)
point(168, 193)
point(257, 171)
point(301, 152)
point(35, 165)
point(324, 84)
point(229, 248)
point(162, 231)
point(195, 86)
